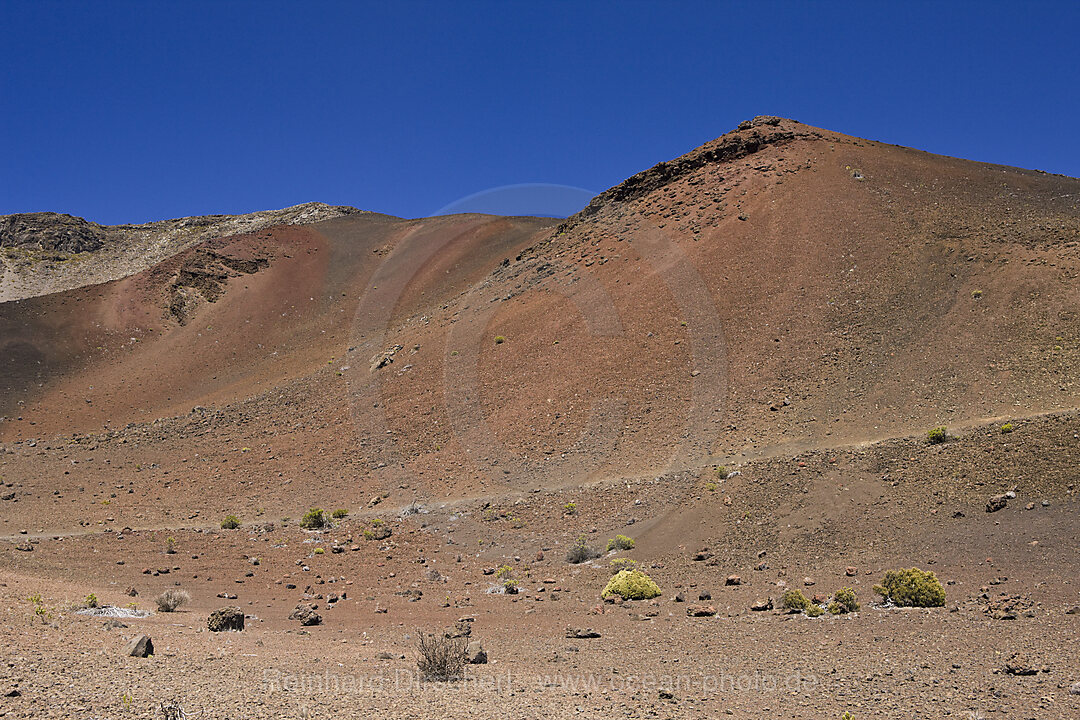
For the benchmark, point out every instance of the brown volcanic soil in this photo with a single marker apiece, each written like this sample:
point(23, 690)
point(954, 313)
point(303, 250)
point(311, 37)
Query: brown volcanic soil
point(794, 303)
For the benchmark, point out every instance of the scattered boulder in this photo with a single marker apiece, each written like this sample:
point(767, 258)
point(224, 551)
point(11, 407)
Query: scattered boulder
point(306, 614)
point(1075, 689)
point(851, 571)
point(226, 618)
point(704, 595)
point(581, 633)
point(702, 555)
point(1020, 664)
point(475, 653)
point(762, 605)
point(140, 646)
point(997, 502)
point(680, 597)
point(733, 580)
point(696, 610)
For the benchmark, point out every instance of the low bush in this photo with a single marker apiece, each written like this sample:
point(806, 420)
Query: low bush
point(912, 588)
point(1007, 428)
point(631, 585)
point(171, 599)
point(339, 514)
point(91, 601)
point(620, 542)
point(231, 522)
point(439, 657)
point(794, 600)
point(937, 435)
point(580, 552)
point(844, 601)
point(314, 519)
point(620, 564)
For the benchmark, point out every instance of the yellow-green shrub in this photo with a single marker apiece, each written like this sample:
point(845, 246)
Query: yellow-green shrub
point(631, 585)
point(912, 588)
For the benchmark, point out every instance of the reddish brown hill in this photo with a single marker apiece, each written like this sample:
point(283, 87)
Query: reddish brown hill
point(782, 286)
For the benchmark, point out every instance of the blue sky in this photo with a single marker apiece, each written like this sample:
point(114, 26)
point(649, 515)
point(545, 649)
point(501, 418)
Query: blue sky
point(136, 111)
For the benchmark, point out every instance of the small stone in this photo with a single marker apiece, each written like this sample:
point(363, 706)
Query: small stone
point(733, 580)
point(140, 646)
point(807, 581)
point(1075, 689)
point(696, 610)
point(704, 595)
point(475, 653)
point(851, 571)
point(581, 633)
point(306, 614)
point(762, 605)
point(996, 502)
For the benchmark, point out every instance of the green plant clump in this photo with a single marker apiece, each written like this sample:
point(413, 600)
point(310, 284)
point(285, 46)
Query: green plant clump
point(231, 522)
point(313, 519)
point(91, 601)
point(936, 436)
point(1007, 428)
point(814, 610)
point(620, 542)
point(340, 513)
point(844, 602)
point(620, 564)
point(794, 600)
point(912, 588)
point(580, 552)
point(631, 585)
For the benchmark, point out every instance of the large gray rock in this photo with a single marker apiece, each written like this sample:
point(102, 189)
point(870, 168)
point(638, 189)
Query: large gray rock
point(226, 618)
point(140, 646)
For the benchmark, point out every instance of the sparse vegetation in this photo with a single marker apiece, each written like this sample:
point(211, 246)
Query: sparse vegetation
point(620, 542)
point(710, 486)
point(721, 472)
point(90, 601)
point(912, 588)
point(170, 546)
point(580, 552)
point(313, 519)
point(814, 610)
point(340, 514)
point(937, 435)
point(976, 294)
point(41, 611)
point(439, 657)
point(231, 522)
point(794, 599)
point(844, 601)
point(631, 585)
point(1007, 428)
point(499, 339)
point(570, 508)
point(171, 599)
point(318, 551)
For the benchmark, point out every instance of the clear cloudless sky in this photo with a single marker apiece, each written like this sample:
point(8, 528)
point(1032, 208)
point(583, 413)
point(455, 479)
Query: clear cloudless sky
point(144, 110)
